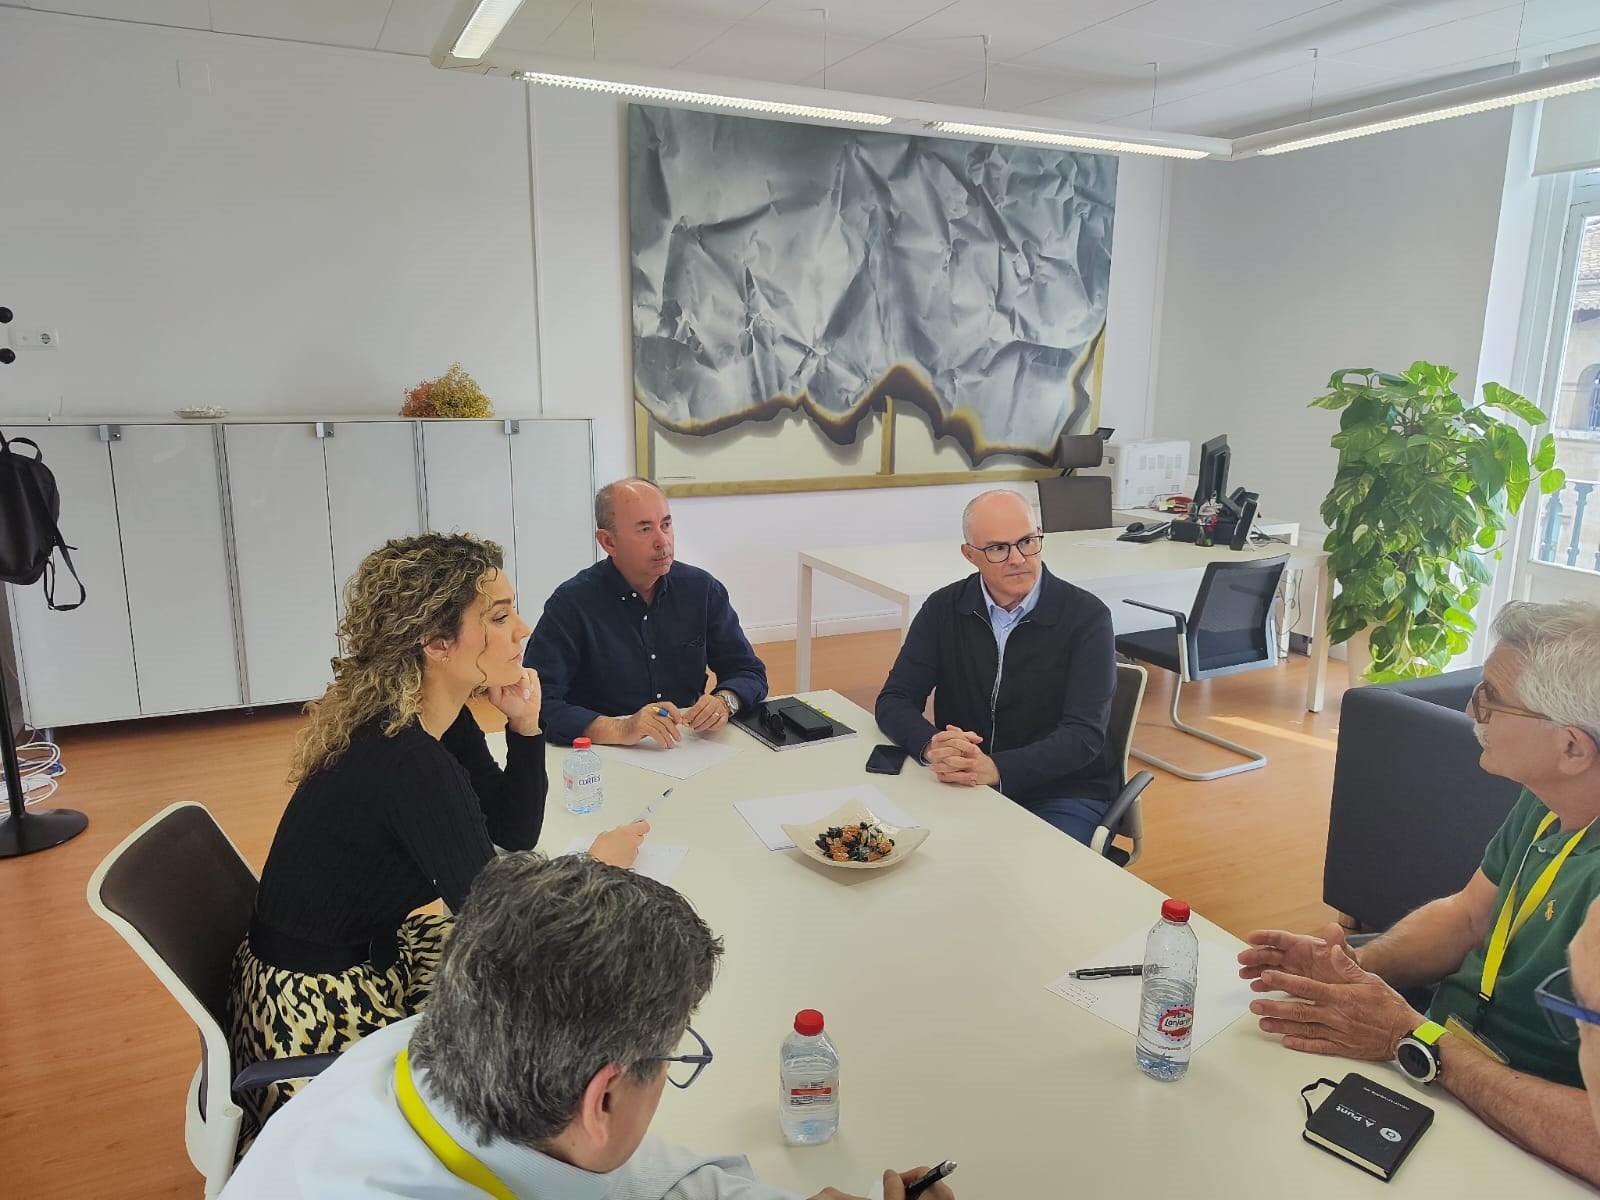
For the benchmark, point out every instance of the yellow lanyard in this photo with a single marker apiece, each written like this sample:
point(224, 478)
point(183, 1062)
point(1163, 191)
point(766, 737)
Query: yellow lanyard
point(1505, 928)
point(445, 1148)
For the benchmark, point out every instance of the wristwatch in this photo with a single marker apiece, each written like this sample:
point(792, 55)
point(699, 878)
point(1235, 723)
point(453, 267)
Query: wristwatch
point(1418, 1052)
point(729, 698)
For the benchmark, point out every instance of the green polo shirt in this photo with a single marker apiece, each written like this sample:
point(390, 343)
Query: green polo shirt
point(1514, 1023)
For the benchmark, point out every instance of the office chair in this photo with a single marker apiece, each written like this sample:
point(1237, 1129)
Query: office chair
point(1124, 817)
point(1070, 502)
point(1230, 630)
point(180, 894)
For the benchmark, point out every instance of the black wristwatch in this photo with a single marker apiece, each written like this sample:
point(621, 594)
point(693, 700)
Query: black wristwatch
point(730, 698)
point(1418, 1052)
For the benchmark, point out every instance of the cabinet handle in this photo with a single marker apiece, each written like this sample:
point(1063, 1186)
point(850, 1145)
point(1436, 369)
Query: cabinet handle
point(110, 433)
point(511, 427)
point(323, 429)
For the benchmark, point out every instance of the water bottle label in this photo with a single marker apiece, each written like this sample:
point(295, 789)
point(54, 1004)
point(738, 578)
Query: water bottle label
point(804, 1097)
point(580, 782)
point(1175, 1023)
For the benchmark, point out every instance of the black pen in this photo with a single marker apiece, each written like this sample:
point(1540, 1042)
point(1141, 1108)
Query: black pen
point(927, 1180)
point(1107, 972)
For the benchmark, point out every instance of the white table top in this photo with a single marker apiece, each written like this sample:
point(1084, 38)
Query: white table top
point(932, 978)
point(1085, 556)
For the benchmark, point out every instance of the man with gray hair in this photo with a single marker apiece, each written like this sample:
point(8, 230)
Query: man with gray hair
point(560, 1011)
point(1022, 668)
point(1497, 942)
point(623, 647)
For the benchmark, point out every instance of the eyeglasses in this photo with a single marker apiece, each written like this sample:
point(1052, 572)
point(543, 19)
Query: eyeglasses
point(998, 552)
point(1480, 709)
point(689, 1065)
point(1561, 1009)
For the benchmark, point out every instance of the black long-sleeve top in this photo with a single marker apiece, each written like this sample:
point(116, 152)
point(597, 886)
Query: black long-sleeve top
point(395, 823)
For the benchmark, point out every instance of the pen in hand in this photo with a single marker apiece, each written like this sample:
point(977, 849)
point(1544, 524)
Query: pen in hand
point(651, 807)
point(1107, 972)
point(929, 1178)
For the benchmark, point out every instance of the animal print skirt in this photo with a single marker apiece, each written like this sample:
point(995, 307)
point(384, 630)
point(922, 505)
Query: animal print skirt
point(279, 1014)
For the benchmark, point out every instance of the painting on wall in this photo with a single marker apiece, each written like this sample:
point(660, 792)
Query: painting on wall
point(819, 308)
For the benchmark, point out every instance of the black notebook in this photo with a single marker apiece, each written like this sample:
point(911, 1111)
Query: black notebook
point(1367, 1124)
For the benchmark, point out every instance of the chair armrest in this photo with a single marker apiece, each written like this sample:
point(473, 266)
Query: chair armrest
point(276, 1070)
point(1182, 619)
point(1107, 828)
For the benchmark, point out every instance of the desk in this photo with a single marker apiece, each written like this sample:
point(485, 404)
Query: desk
point(909, 572)
point(932, 978)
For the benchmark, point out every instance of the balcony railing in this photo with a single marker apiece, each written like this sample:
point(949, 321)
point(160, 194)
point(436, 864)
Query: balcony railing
point(1567, 535)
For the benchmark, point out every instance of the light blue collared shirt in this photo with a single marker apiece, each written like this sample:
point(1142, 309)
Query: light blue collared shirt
point(1003, 622)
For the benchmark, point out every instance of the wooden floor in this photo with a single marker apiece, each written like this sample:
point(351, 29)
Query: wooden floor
point(95, 1057)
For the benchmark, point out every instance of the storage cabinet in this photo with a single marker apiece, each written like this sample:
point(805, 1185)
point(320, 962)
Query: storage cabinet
point(215, 553)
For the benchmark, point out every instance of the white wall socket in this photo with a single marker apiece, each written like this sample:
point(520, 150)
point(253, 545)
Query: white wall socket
point(33, 338)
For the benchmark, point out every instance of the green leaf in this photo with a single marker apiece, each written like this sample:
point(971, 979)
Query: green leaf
point(1545, 456)
point(1497, 396)
point(1552, 480)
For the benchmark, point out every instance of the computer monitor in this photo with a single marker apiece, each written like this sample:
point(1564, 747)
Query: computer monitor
point(1213, 483)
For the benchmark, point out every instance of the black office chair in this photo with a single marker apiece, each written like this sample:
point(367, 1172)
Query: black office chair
point(1231, 629)
point(1071, 502)
point(1124, 817)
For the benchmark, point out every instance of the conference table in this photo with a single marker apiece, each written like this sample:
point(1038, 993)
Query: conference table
point(932, 978)
point(908, 572)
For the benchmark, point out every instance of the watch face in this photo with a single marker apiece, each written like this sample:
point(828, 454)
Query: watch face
point(1416, 1060)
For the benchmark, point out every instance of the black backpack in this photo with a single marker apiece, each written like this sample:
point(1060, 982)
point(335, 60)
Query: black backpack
point(29, 507)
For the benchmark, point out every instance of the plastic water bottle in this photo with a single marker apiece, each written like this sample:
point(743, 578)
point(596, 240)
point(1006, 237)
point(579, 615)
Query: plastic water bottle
point(580, 779)
point(1166, 999)
point(808, 1082)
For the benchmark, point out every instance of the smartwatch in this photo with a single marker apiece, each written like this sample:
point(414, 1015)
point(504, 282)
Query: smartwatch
point(1418, 1052)
point(730, 698)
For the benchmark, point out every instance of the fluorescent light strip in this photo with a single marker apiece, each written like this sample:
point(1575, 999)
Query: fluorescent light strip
point(1440, 114)
point(486, 23)
point(674, 95)
point(1005, 134)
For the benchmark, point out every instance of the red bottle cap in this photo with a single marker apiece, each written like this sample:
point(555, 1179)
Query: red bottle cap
point(581, 743)
point(808, 1022)
point(1175, 910)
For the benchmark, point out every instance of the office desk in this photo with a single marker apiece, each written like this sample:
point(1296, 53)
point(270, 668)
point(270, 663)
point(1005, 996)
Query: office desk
point(909, 572)
point(932, 976)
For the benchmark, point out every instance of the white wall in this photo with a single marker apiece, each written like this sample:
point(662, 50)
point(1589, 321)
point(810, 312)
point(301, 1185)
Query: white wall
point(267, 226)
point(1374, 252)
point(750, 542)
point(287, 229)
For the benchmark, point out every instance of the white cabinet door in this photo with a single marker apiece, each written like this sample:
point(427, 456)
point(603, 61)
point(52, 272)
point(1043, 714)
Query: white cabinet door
point(552, 481)
point(468, 470)
point(174, 558)
point(77, 667)
point(283, 550)
point(373, 493)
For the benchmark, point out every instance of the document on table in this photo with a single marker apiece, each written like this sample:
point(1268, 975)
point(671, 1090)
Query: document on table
point(1221, 997)
point(660, 863)
point(689, 757)
point(768, 815)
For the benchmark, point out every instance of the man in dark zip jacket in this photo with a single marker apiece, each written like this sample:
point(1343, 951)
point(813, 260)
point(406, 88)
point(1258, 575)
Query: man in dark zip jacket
point(1022, 667)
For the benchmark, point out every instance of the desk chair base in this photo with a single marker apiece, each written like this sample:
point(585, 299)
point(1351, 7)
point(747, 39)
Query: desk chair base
point(1256, 760)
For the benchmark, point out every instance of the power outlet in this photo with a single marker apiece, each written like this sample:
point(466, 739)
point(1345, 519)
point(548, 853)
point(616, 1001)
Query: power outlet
point(34, 338)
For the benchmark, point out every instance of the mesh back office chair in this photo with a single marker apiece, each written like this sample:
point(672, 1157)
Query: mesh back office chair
point(180, 894)
point(1230, 630)
point(1124, 816)
point(1070, 502)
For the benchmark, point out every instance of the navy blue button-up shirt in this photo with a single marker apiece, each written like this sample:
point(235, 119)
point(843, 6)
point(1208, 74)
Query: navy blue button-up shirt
point(602, 652)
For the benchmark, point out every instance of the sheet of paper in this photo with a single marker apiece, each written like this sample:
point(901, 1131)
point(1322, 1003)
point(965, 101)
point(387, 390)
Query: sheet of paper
point(1087, 542)
point(689, 757)
point(660, 863)
point(768, 815)
point(1221, 997)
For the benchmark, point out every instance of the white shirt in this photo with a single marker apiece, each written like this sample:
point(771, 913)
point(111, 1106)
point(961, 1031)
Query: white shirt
point(344, 1138)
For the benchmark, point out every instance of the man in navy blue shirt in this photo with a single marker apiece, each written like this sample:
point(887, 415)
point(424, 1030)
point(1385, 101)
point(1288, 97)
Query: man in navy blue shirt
point(623, 647)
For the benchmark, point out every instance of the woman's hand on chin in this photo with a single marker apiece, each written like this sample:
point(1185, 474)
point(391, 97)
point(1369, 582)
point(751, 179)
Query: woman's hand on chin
point(520, 702)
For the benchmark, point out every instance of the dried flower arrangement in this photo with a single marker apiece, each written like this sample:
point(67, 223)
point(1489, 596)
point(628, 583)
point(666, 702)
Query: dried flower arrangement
point(453, 394)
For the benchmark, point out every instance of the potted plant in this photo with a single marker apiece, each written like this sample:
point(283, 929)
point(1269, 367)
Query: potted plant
point(1423, 489)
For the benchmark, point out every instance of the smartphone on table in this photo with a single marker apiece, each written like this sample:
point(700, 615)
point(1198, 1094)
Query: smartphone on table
point(886, 760)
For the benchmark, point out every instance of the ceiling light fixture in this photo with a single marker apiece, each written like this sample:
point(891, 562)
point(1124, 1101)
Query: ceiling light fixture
point(1523, 88)
point(487, 22)
point(708, 99)
point(1004, 133)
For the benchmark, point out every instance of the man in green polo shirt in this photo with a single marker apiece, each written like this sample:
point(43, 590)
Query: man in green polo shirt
point(1489, 946)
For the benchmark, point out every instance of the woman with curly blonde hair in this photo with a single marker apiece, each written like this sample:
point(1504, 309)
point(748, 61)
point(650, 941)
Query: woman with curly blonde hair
point(397, 803)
